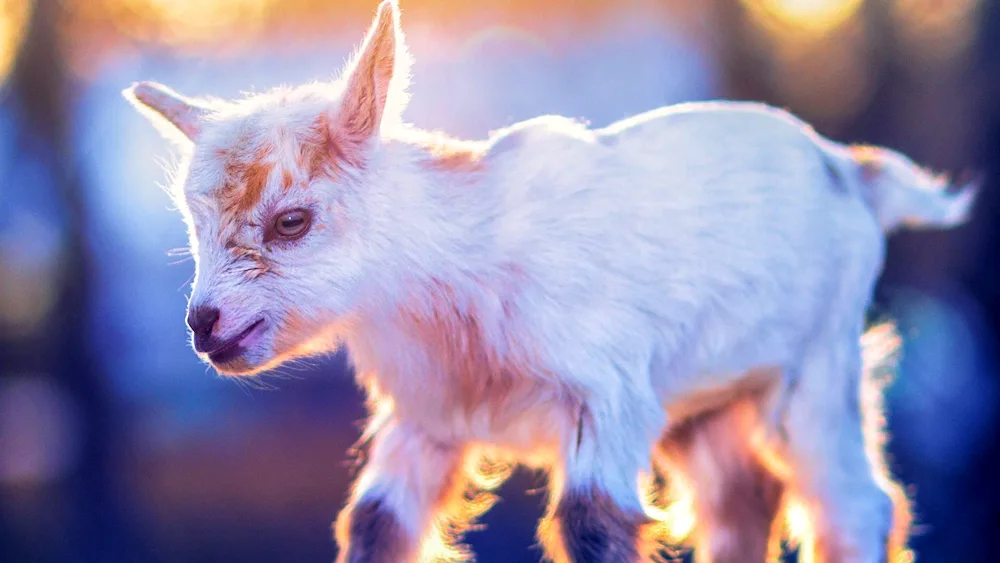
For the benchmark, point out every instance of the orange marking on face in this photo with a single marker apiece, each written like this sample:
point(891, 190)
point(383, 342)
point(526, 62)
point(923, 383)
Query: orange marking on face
point(249, 261)
point(246, 253)
point(247, 171)
point(287, 180)
point(324, 151)
point(254, 181)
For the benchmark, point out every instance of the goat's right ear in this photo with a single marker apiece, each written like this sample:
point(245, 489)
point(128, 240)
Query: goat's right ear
point(169, 111)
point(375, 79)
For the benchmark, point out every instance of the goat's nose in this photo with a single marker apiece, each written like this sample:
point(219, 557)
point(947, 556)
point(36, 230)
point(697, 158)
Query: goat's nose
point(202, 320)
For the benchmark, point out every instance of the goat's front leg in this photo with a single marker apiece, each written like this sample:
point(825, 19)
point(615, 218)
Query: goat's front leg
point(596, 514)
point(396, 497)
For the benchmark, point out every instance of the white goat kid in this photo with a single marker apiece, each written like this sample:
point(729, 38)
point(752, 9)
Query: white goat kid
point(689, 284)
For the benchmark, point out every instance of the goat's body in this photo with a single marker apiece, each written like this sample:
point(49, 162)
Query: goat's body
point(670, 255)
point(591, 281)
point(685, 289)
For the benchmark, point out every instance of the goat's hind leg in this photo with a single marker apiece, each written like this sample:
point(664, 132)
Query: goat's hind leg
point(736, 499)
point(857, 513)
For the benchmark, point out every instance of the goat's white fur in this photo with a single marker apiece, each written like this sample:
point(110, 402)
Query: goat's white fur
point(610, 283)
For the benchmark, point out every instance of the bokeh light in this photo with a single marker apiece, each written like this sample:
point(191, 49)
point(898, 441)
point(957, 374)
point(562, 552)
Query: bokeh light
point(13, 17)
point(935, 31)
point(827, 74)
point(810, 17)
point(30, 252)
point(190, 22)
point(39, 435)
point(818, 54)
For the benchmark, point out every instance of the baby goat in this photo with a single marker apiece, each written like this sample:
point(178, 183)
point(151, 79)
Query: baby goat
point(684, 289)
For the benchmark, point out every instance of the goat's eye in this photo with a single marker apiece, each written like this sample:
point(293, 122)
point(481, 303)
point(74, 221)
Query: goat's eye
point(291, 224)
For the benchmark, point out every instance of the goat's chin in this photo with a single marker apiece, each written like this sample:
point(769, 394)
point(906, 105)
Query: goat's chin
point(252, 364)
point(236, 368)
point(252, 361)
point(266, 357)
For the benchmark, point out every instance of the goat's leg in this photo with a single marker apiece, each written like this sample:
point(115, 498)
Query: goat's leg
point(853, 508)
point(396, 497)
point(596, 514)
point(736, 498)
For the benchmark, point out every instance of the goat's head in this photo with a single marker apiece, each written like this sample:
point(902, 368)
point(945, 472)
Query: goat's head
point(276, 193)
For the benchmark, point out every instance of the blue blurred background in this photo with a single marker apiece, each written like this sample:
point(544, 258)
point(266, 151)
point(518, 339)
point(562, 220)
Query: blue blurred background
point(117, 445)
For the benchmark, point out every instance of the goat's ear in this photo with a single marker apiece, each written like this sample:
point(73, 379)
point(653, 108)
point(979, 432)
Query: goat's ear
point(374, 80)
point(171, 112)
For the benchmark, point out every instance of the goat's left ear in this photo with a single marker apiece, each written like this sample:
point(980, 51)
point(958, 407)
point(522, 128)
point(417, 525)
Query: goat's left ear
point(375, 80)
point(170, 111)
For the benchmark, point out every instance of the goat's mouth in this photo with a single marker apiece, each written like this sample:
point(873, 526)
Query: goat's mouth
point(230, 350)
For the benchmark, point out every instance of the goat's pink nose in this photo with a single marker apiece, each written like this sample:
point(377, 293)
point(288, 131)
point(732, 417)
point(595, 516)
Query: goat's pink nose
point(201, 320)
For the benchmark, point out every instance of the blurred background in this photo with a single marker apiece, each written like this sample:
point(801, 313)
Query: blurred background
point(117, 445)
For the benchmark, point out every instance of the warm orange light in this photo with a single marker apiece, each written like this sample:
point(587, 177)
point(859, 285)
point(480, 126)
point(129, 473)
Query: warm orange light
point(13, 21)
point(186, 22)
point(799, 527)
point(809, 16)
point(819, 55)
point(670, 507)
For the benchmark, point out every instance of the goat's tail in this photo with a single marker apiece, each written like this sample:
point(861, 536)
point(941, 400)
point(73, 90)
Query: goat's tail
point(902, 194)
